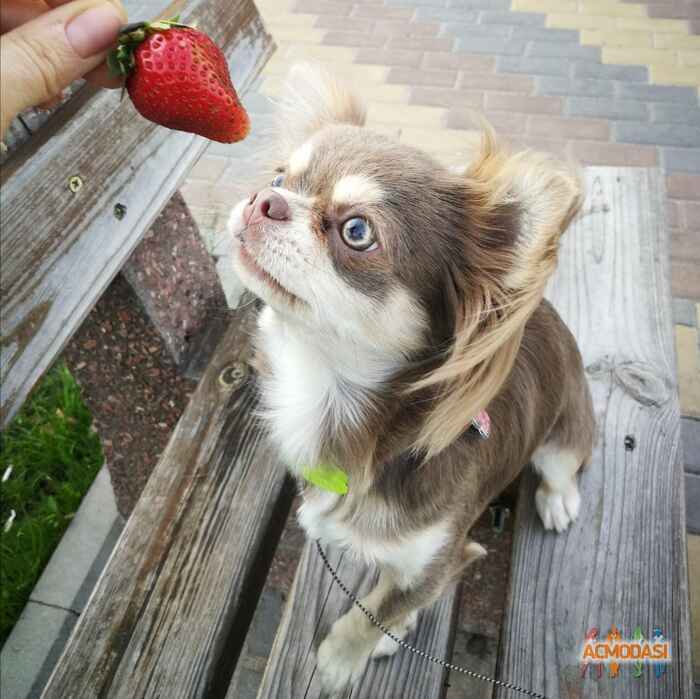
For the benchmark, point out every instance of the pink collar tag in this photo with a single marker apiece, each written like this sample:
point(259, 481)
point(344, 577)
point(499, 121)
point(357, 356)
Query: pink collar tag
point(482, 424)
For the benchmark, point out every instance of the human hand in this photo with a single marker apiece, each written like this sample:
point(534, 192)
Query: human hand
point(47, 44)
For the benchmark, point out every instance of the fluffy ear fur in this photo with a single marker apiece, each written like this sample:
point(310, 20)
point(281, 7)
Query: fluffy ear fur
point(312, 99)
point(516, 208)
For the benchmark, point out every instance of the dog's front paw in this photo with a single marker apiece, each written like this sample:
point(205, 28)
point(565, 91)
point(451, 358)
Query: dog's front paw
point(387, 646)
point(340, 659)
point(556, 509)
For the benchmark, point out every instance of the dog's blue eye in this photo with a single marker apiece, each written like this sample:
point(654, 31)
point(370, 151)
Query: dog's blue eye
point(278, 181)
point(358, 234)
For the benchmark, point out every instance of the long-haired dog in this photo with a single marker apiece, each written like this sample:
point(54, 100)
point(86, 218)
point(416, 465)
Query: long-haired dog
point(402, 300)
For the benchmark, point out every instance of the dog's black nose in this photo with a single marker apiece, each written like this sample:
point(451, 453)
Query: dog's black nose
point(266, 204)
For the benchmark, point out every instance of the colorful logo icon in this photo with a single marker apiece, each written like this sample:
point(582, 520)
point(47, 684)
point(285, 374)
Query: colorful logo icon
point(613, 652)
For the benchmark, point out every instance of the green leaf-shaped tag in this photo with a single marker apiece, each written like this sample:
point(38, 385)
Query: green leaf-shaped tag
point(326, 477)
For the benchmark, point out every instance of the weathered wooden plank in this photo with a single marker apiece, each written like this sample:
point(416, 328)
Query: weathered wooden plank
point(315, 602)
point(60, 248)
point(624, 561)
point(169, 613)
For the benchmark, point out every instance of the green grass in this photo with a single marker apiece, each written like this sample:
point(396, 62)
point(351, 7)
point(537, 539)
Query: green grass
point(54, 456)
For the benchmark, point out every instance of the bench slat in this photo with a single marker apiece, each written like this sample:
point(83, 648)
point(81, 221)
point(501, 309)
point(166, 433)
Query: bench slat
point(624, 560)
point(61, 249)
point(169, 614)
point(315, 602)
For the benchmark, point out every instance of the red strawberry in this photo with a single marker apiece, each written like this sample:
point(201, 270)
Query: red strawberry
point(178, 77)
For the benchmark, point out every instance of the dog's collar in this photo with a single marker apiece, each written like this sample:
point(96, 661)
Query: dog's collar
point(334, 480)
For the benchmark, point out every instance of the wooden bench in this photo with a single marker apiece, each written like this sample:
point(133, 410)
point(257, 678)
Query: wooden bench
point(170, 613)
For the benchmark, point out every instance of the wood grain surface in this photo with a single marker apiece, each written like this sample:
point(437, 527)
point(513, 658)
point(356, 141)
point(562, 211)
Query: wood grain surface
point(624, 561)
point(60, 248)
point(315, 602)
point(170, 611)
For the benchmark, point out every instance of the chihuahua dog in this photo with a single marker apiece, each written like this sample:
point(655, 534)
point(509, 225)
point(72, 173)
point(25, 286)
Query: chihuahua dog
point(402, 301)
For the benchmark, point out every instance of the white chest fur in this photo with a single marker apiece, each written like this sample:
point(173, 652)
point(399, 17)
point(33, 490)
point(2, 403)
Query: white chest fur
point(316, 384)
point(407, 555)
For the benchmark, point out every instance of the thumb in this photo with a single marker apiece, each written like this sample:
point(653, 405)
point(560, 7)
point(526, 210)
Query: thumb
point(43, 56)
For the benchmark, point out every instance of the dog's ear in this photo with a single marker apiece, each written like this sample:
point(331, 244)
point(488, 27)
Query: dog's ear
point(516, 208)
point(312, 99)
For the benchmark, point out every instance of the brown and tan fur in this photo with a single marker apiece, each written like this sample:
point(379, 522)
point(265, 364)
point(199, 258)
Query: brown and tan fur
point(465, 259)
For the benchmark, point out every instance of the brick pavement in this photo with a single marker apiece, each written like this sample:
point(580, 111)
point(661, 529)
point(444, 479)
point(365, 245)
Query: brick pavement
point(606, 82)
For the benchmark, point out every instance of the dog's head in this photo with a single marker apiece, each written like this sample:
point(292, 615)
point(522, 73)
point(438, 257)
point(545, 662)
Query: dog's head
point(376, 243)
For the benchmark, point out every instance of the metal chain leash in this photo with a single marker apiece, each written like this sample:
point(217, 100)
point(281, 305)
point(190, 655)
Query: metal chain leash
point(413, 649)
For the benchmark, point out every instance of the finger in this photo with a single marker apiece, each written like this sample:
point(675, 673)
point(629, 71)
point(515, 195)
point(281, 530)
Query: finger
point(13, 14)
point(102, 77)
point(40, 58)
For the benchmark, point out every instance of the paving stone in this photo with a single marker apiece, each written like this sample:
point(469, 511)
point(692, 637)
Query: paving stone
point(553, 127)
point(416, 3)
point(584, 87)
point(525, 19)
point(463, 30)
point(532, 65)
point(347, 24)
point(444, 60)
point(506, 123)
point(557, 147)
point(421, 43)
point(684, 313)
point(562, 50)
point(450, 15)
point(409, 76)
point(677, 113)
point(685, 280)
point(399, 27)
point(502, 122)
point(674, 214)
point(681, 159)
point(657, 134)
point(675, 75)
point(639, 56)
point(615, 154)
point(390, 57)
point(604, 108)
point(441, 97)
point(321, 7)
point(355, 39)
point(480, 4)
point(690, 437)
point(683, 187)
point(685, 244)
point(420, 117)
point(691, 216)
point(546, 34)
point(496, 81)
point(693, 575)
point(688, 370)
point(591, 69)
point(379, 12)
point(493, 46)
point(573, 20)
point(529, 104)
point(657, 93)
point(692, 503)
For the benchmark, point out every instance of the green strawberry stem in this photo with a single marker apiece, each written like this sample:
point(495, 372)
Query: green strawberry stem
point(120, 60)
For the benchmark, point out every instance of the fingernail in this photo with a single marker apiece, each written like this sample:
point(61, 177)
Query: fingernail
point(94, 31)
